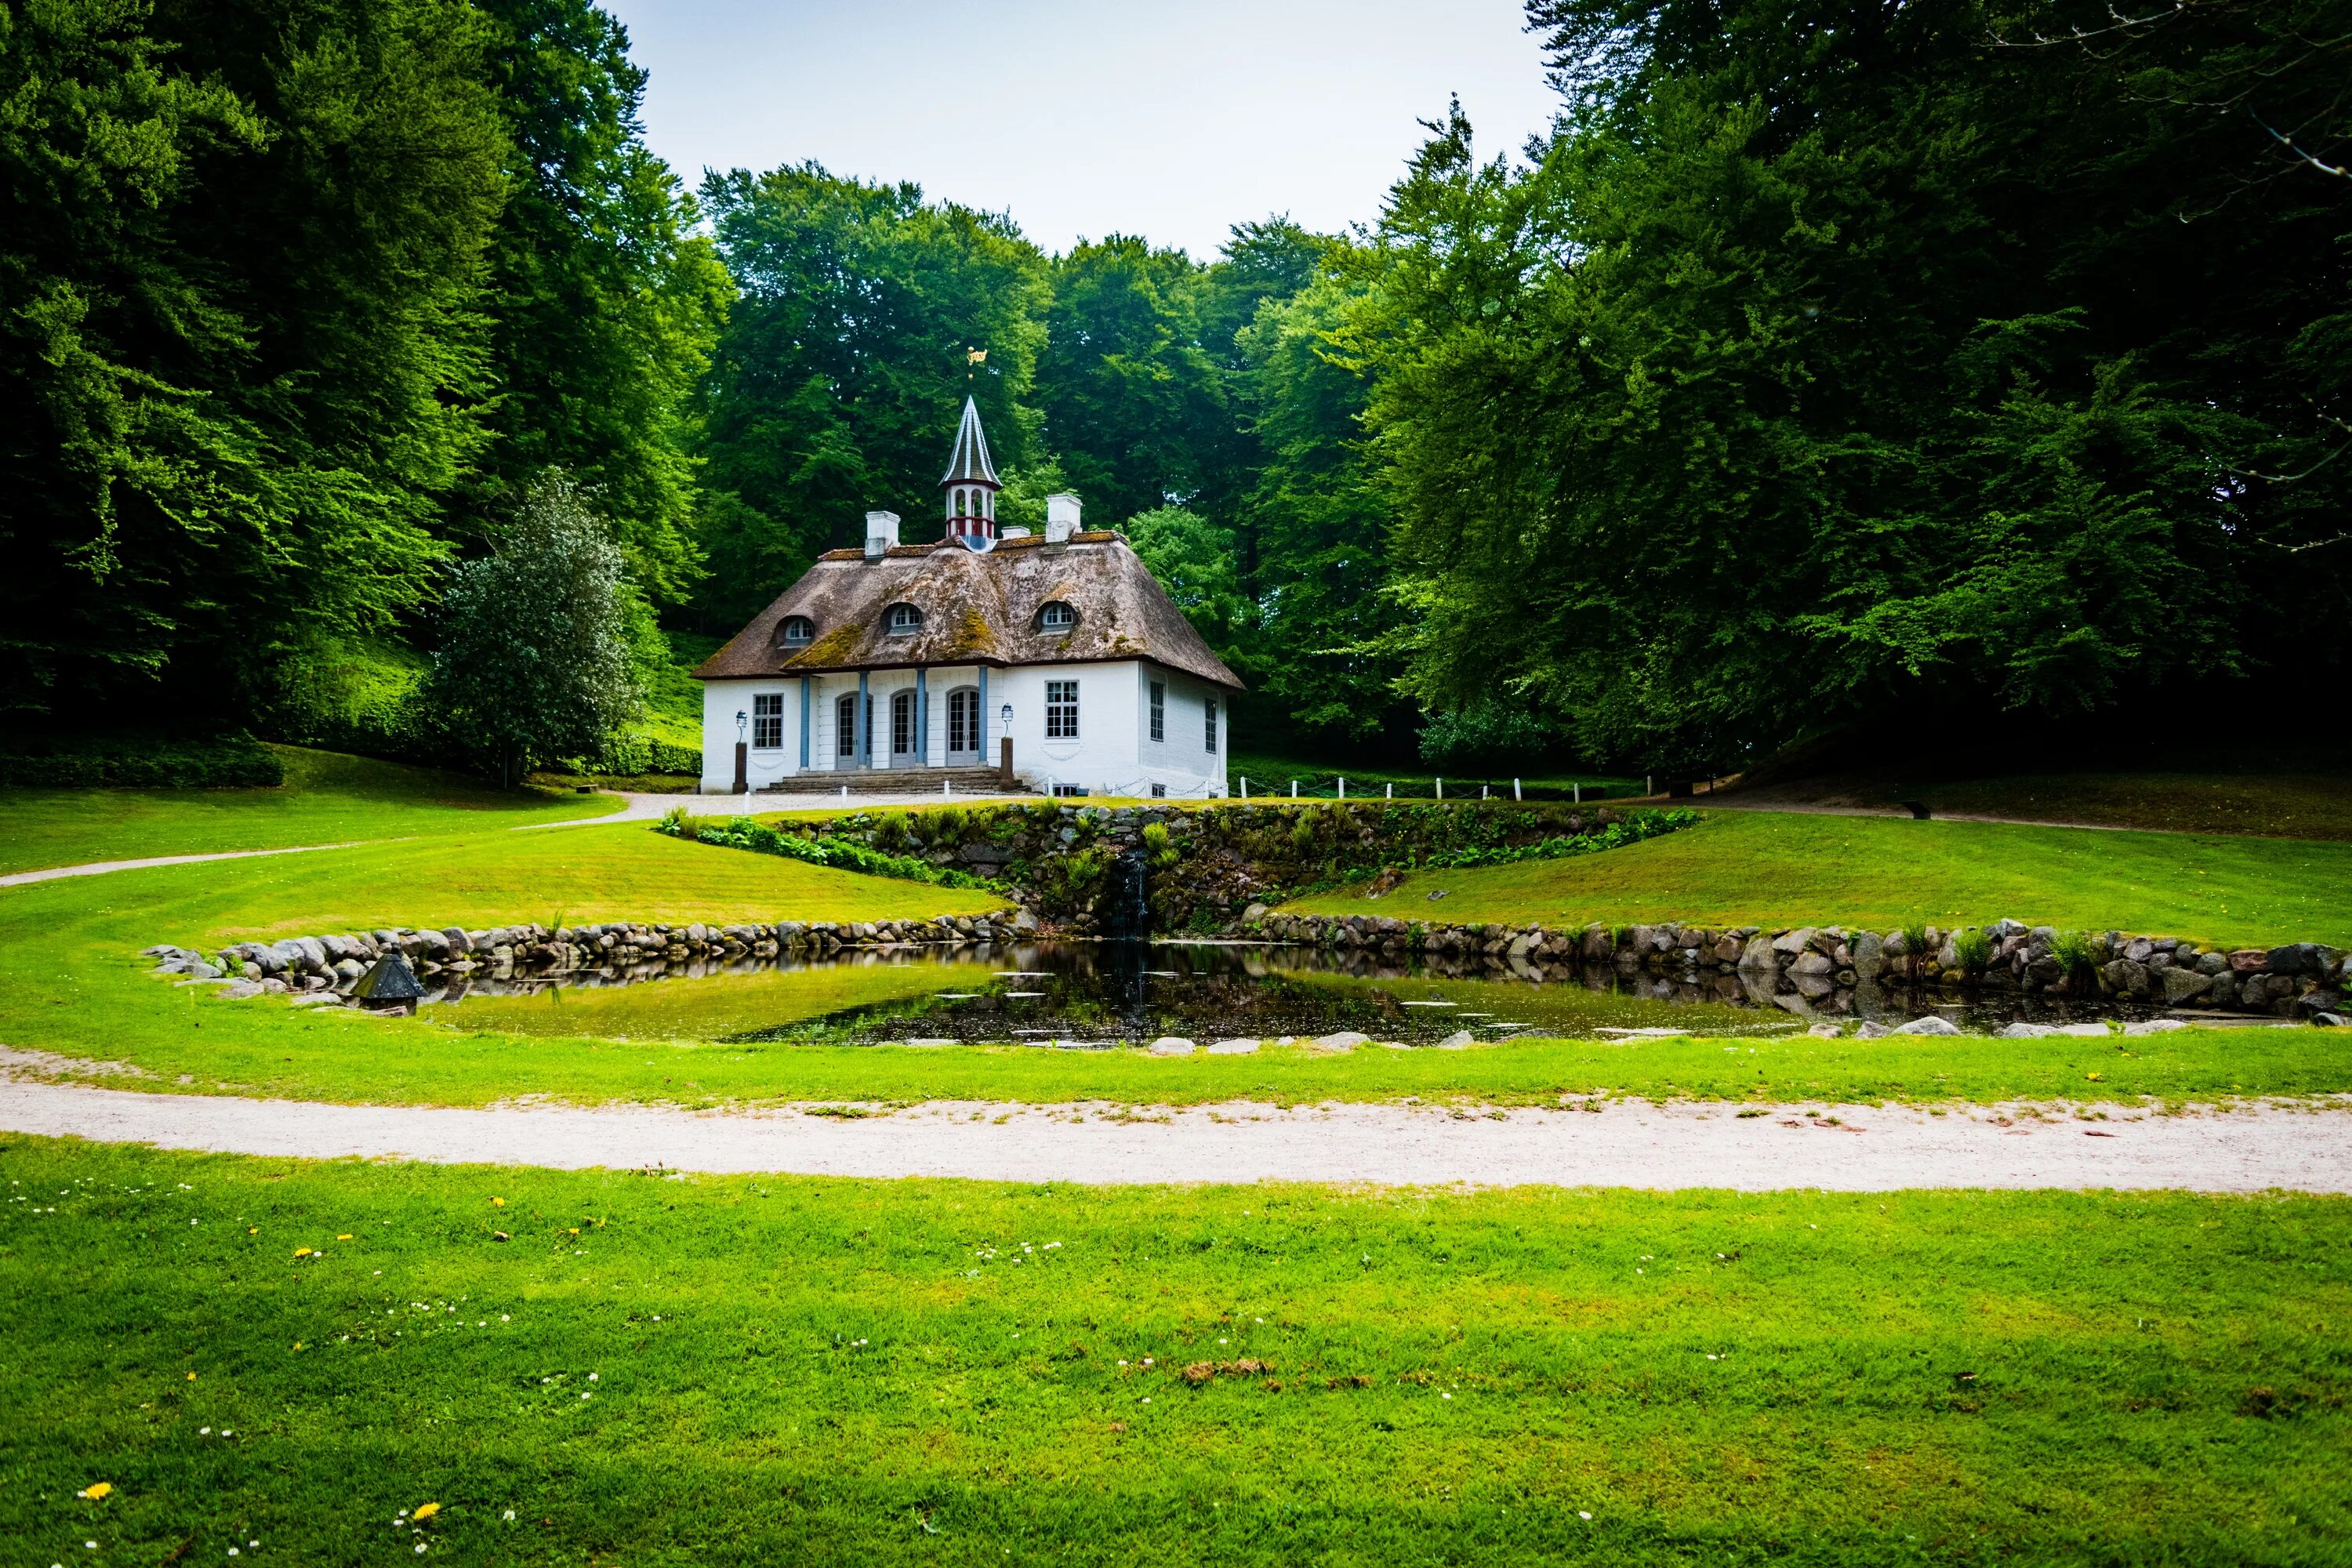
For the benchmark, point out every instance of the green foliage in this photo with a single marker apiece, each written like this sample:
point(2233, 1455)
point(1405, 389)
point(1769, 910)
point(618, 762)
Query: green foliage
point(1916, 946)
point(1158, 847)
point(229, 761)
point(1972, 948)
point(535, 662)
point(835, 386)
point(841, 854)
point(1133, 406)
point(292, 301)
point(605, 299)
point(2073, 952)
point(1489, 731)
point(1774, 397)
point(1197, 562)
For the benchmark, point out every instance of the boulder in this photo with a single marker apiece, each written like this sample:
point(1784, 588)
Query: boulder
point(2154, 1026)
point(1794, 941)
point(1232, 1048)
point(1811, 964)
point(2250, 961)
point(1825, 1030)
point(1459, 1040)
point(1933, 1024)
point(1758, 954)
point(1869, 955)
point(2296, 958)
point(2182, 985)
point(1172, 1045)
point(2023, 1032)
point(1345, 1041)
point(1872, 1029)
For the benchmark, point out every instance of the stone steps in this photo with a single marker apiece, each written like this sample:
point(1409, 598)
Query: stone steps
point(890, 781)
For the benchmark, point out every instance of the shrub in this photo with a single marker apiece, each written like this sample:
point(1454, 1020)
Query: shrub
point(1160, 849)
point(841, 854)
point(1973, 948)
point(225, 761)
point(2073, 952)
point(1914, 943)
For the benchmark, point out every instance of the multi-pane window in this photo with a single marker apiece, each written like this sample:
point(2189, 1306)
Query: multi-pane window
point(845, 726)
point(767, 720)
point(1057, 617)
point(902, 723)
point(963, 721)
point(1159, 710)
point(798, 629)
point(905, 618)
point(1212, 733)
point(1061, 709)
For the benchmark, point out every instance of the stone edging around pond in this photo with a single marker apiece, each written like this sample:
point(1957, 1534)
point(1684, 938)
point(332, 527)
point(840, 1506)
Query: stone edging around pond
point(327, 966)
point(1810, 969)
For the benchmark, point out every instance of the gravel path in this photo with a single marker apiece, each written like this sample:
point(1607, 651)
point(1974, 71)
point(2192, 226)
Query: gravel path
point(1630, 1145)
point(95, 868)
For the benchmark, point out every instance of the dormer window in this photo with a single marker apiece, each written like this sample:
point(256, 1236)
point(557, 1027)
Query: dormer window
point(1057, 617)
point(904, 620)
point(798, 631)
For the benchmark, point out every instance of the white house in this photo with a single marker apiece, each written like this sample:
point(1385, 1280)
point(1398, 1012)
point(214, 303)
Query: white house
point(890, 666)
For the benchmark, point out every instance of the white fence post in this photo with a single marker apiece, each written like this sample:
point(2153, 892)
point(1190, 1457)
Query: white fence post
point(1578, 786)
point(1441, 789)
point(1245, 786)
point(1343, 787)
point(1515, 789)
point(1294, 789)
point(1391, 794)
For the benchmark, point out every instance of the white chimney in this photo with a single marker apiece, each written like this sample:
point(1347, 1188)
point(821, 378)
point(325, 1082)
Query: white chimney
point(881, 533)
point(1061, 517)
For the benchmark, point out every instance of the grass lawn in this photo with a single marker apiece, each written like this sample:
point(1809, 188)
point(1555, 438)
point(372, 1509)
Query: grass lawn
point(71, 983)
point(1792, 869)
point(1270, 776)
point(685, 1372)
point(327, 798)
point(2279, 805)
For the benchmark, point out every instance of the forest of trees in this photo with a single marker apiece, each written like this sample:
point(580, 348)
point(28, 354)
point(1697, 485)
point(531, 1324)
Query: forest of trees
point(1828, 367)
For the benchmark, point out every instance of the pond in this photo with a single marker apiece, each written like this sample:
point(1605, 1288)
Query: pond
point(1096, 994)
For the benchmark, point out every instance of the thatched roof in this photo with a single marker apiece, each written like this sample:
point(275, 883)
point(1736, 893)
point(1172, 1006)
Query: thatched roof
point(976, 609)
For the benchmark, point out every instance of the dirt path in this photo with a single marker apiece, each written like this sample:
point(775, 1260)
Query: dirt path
point(95, 868)
point(1633, 1145)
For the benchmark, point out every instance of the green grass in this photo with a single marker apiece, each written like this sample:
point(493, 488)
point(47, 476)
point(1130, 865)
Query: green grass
point(827, 1372)
point(70, 984)
point(2277, 805)
point(1788, 868)
point(1270, 776)
point(71, 981)
point(327, 798)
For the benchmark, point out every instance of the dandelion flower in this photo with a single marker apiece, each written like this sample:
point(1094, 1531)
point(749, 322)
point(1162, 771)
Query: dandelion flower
point(345, 1237)
point(426, 1510)
point(96, 1489)
point(192, 1377)
point(301, 1252)
point(498, 1203)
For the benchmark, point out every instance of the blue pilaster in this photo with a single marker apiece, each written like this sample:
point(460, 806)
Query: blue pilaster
point(804, 723)
point(864, 717)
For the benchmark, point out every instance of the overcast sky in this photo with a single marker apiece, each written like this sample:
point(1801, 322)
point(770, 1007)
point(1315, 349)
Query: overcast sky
point(1173, 120)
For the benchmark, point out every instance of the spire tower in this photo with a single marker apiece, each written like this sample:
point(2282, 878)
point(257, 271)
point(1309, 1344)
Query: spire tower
point(971, 485)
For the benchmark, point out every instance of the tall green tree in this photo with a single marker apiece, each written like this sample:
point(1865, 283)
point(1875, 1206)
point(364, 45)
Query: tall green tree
point(1834, 358)
point(1134, 408)
point(239, 361)
point(836, 385)
point(603, 299)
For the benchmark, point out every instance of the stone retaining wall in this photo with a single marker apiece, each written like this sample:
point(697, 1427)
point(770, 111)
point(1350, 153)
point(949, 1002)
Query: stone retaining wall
point(330, 964)
point(1822, 968)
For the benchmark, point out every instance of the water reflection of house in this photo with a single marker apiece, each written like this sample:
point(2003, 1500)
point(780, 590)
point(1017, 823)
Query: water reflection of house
point(889, 667)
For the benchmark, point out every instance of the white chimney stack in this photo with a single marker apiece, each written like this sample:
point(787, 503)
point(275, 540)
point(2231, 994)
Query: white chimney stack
point(1061, 517)
point(881, 533)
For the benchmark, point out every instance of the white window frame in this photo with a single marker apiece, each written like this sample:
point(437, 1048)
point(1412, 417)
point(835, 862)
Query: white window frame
point(1048, 625)
point(890, 620)
point(767, 720)
point(1210, 731)
point(803, 625)
point(1159, 711)
point(844, 740)
point(1061, 709)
